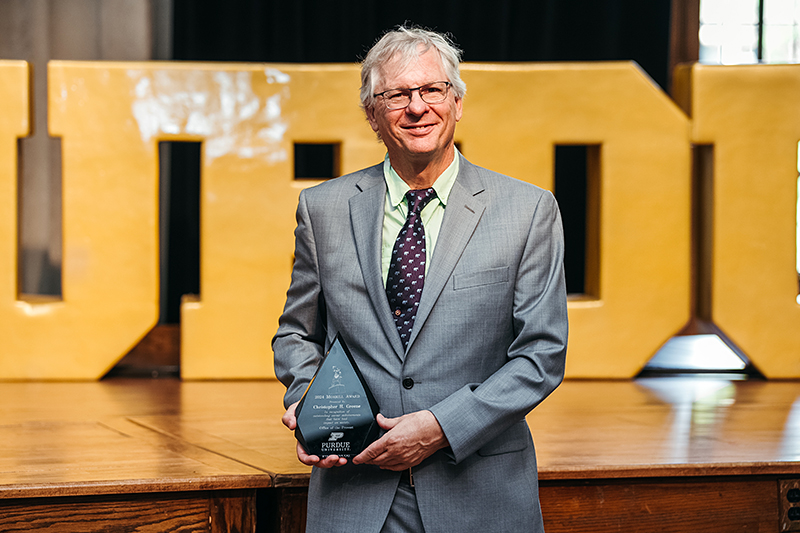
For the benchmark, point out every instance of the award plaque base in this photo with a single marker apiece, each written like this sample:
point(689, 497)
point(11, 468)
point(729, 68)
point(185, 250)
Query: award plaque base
point(336, 415)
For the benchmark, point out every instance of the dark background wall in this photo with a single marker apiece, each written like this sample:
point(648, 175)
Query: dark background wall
point(342, 31)
point(502, 30)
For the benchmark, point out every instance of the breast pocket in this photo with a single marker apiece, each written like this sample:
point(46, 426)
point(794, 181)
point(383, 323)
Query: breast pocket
point(478, 279)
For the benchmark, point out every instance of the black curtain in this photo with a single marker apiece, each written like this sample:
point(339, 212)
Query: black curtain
point(342, 31)
point(501, 30)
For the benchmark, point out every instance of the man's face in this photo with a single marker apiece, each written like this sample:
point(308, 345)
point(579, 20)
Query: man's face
point(421, 131)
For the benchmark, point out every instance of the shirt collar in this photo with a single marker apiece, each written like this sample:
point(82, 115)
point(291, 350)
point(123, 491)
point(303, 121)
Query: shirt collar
point(397, 188)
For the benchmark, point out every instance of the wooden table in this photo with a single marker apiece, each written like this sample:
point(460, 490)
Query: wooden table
point(650, 455)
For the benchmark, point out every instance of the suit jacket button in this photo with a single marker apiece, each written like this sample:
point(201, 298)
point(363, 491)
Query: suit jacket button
point(408, 383)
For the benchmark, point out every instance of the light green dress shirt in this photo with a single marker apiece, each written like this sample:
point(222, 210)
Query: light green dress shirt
point(396, 211)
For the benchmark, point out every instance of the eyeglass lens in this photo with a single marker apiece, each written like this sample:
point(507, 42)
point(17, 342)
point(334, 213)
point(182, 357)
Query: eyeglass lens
point(432, 93)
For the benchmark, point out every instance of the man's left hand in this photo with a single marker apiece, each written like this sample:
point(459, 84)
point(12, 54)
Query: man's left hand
point(409, 440)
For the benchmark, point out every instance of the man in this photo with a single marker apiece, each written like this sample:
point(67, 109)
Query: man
point(456, 370)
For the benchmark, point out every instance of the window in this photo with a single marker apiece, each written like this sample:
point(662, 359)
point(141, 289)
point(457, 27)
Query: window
point(736, 32)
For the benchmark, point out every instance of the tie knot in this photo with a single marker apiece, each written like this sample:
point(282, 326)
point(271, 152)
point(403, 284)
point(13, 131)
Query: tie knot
point(419, 198)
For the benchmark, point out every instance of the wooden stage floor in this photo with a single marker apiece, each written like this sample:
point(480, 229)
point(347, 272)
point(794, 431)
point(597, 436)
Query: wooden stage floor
point(657, 454)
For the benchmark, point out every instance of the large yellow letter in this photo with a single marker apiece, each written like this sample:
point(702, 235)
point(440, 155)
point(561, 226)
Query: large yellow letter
point(751, 114)
point(249, 195)
point(110, 284)
point(513, 117)
point(111, 117)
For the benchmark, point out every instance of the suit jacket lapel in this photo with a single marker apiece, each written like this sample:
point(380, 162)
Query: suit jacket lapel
point(366, 216)
point(461, 217)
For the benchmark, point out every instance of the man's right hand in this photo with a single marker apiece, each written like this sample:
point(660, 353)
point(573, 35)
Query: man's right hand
point(290, 421)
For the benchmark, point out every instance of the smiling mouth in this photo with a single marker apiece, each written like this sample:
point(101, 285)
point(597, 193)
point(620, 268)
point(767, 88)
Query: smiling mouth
point(419, 127)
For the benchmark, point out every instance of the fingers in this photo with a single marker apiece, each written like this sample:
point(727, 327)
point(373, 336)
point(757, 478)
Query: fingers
point(313, 460)
point(395, 450)
point(305, 458)
point(386, 454)
point(331, 461)
point(377, 448)
point(371, 452)
point(409, 440)
point(289, 420)
point(387, 423)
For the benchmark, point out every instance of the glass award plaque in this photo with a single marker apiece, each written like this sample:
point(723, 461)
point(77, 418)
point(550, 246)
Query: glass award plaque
point(336, 415)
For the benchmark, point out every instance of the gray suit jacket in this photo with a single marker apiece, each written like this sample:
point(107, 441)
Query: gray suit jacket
point(488, 344)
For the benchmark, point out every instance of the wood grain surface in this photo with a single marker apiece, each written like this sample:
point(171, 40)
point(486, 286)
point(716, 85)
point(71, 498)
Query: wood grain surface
point(659, 454)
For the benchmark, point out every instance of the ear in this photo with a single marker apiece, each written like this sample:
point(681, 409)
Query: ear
point(371, 118)
point(459, 108)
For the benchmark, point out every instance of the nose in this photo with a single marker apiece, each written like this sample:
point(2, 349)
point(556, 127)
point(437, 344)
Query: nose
point(417, 106)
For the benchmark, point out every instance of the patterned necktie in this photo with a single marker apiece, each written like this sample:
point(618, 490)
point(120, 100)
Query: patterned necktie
point(407, 269)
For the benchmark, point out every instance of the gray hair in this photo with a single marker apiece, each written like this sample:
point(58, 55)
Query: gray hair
point(406, 44)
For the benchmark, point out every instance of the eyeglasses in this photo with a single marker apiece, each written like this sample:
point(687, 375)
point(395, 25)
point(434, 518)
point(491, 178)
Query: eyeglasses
point(431, 93)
